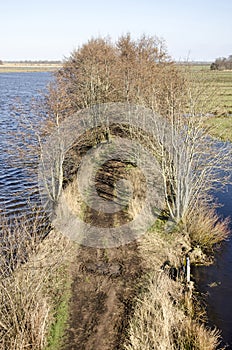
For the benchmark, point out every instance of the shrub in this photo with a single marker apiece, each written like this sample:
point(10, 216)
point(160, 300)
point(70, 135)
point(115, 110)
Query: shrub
point(205, 228)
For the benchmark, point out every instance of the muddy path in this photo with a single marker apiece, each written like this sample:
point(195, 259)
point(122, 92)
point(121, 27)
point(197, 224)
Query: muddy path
point(105, 281)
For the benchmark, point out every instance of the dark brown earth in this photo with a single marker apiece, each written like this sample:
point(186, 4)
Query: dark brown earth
point(105, 281)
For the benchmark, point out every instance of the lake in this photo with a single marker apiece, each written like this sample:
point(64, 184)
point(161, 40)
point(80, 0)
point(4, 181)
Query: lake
point(16, 184)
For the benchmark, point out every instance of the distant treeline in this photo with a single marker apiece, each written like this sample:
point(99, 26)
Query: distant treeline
point(222, 63)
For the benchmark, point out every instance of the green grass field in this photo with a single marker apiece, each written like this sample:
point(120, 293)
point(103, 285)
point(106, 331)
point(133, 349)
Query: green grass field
point(222, 81)
point(222, 123)
point(221, 127)
point(221, 84)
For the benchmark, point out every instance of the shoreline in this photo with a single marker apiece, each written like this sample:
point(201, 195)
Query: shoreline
point(12, 67)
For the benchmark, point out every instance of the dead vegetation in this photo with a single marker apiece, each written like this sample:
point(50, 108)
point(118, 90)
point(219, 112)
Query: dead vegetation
point(206, 229)
point(161, 320)
point(167, 314)
point(32, 281)
point(122, 298)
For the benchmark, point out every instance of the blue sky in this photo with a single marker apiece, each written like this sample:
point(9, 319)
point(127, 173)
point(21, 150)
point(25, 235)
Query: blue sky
point(51, 29)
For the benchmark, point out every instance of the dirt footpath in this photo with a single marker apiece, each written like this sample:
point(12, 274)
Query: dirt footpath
point(105, 282)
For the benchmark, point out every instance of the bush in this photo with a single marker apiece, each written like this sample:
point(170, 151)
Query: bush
point(205, 228)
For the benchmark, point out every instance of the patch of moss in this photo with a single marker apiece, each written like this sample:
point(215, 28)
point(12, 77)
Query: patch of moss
point(57, 330)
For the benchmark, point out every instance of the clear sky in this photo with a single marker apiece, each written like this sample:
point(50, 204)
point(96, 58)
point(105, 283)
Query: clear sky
point(51, 29)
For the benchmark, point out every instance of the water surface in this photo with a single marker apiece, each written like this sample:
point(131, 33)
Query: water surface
point(16, 89)
point(215, 281)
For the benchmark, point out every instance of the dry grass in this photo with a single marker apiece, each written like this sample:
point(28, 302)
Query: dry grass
point(205, 228)
point(32, 281)
point(161, 244)
point(167, 316)
point(161, 320)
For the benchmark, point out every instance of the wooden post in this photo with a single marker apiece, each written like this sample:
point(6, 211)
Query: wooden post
point(188, 269)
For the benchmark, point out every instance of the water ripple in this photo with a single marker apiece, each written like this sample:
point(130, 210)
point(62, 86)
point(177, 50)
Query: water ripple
point(17, 186)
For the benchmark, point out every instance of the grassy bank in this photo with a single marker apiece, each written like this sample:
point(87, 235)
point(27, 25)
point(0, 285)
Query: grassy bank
point(34, 287)
point(220, 127)
point(56, 331)
point(167, 313)
point(165, 318)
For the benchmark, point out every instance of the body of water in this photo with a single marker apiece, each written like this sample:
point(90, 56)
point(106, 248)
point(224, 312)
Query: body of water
point(215, 281)
point(16, 89)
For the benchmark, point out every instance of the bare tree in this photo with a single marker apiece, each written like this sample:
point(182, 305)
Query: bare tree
point(138, 72)
point(101, 72)
point(192, 163)
point(222, 63)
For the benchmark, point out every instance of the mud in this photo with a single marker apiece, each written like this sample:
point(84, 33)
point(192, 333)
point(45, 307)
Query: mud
point(105, 281)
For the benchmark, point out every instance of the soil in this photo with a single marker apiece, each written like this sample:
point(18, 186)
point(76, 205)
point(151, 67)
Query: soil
point(105, 281)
